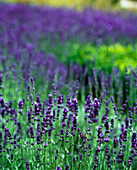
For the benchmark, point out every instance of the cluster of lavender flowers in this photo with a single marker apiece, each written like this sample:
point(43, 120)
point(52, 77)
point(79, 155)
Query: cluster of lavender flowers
point(60, 133)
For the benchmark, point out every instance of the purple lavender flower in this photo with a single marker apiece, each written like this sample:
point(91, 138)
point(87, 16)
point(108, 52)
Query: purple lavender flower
point(134, 140)
point(27, 165)
point(1, 77)
point(20, 104)
point(67, 167)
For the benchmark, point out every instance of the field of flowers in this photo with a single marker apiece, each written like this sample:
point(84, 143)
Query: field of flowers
point(68, 89)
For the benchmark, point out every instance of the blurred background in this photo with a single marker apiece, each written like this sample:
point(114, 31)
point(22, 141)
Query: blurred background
point(79, 4)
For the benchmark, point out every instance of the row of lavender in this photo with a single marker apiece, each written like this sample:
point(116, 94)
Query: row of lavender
point(48, 70)
point(21, 23)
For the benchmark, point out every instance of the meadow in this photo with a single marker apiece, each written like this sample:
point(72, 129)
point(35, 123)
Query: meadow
point(68, 88)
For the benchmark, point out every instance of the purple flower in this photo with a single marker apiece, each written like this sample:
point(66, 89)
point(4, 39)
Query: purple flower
point(134, 140)
point(27, 165)
point(1, 77)
point(20, 104)
point(106, 140)
point(67, 167)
